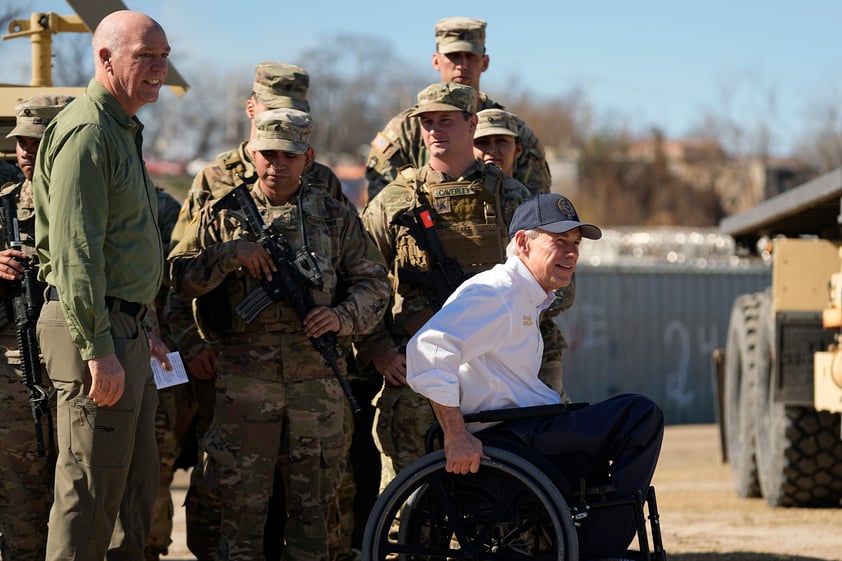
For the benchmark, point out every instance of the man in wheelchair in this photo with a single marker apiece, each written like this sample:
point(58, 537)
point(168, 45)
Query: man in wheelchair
point(482, 351)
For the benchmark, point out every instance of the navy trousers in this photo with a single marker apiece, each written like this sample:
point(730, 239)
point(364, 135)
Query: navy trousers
point(622, 435)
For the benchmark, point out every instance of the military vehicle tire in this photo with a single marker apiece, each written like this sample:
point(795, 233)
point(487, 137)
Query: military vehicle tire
point(798, 449)
point(740, 377)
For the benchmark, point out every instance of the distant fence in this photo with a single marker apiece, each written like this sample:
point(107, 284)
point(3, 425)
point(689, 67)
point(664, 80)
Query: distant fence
point(652, 330)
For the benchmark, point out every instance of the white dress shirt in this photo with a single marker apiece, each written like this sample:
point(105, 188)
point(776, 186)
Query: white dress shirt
point(483, 349)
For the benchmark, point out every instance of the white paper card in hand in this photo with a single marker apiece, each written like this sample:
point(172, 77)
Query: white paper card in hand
point(165, 378)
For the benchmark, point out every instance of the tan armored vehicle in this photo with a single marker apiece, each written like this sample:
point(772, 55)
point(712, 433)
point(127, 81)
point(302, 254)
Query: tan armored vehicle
point(39, 29)
point(780, 378)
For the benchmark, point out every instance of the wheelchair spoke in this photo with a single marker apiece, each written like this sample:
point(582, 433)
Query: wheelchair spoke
point(508, 511)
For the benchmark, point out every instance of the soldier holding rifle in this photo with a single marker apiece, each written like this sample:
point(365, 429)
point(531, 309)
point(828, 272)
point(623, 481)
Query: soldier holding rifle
point(27, 459)
point(278, 398)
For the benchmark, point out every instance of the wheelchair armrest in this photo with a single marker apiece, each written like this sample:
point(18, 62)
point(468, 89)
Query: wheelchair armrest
point(509, 414)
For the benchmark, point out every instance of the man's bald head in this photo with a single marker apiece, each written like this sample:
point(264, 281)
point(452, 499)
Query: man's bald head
point(112, 31)
point(130, 57)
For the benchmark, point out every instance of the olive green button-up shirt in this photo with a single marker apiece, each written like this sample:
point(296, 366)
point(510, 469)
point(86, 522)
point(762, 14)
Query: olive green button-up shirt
point(96, 228)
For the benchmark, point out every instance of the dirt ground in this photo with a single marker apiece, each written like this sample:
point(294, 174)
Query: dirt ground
point(701, 517)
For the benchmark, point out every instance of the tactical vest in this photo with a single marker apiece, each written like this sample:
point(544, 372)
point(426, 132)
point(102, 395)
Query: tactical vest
point(468, 221)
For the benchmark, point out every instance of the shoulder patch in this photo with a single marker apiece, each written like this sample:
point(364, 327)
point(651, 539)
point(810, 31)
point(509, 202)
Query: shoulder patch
point(381, 142)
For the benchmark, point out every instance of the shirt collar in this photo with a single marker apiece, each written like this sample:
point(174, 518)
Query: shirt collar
point(536, 295)
point(102, 96)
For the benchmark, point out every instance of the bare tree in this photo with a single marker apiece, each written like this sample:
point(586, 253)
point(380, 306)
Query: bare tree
point(72, 61)
point(821, 143)
point(357, 84)
point(744, 119)
point(209, 118)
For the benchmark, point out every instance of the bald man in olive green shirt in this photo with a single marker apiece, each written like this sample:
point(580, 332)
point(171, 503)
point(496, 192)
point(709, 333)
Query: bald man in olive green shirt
point(99, 246)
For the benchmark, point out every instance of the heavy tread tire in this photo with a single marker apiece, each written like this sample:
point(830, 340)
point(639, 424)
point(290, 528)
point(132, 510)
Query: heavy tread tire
point(740, 378)
point(799, 452)
point(457, 507)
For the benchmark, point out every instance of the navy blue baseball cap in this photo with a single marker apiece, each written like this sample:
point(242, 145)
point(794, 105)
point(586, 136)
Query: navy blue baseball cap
point(550, 212)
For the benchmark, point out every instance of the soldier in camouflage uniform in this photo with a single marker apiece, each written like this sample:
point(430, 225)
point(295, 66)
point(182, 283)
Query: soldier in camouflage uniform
point(276, 85)
point(496, 142)
point(26, 479)
point(471, 205)
point(460, 57)
point(170, 400)
point(277, 402)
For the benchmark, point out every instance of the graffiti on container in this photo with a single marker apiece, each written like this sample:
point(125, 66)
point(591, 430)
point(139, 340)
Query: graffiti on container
point(678, 354)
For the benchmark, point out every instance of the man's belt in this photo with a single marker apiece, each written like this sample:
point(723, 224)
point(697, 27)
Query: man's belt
point(114, 304)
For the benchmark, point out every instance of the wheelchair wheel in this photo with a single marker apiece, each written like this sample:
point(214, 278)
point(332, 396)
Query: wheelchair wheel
point(508, 510)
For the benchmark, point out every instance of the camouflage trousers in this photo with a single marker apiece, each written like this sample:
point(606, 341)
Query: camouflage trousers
point(201, 508)
point(26, 479)
point(170, 407)
point(258, 424)
point(401, 423)
point(554, 345)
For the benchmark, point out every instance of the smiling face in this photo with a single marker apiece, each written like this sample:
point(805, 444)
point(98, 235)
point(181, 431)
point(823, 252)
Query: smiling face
point(447, 133)
point(132, 52)
point(550, 257)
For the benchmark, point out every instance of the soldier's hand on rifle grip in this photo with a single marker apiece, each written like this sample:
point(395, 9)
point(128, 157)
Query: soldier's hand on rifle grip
point(321, 320)
point(255, 259)
point(108, 380)
point(392, 365)
point(10, 266)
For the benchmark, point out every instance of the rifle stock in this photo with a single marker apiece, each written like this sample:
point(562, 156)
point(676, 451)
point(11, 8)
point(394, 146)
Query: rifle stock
point(288, 283)
point(25, 298)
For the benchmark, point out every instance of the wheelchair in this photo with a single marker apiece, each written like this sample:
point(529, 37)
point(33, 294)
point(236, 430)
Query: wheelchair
point(517, 506)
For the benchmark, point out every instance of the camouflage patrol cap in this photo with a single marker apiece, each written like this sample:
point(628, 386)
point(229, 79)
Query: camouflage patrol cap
point(285, 129)
point(34, 114)
point(460, 35)
point(446, 96)
point(278, 85)
point(495, 121)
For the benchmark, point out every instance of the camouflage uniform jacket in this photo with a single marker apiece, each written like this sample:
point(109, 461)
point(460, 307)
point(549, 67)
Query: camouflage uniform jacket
point(355, 281)
point(409, 300)
point(26, 225)
point(168, 211)
point(400, 144)
point(216, 179)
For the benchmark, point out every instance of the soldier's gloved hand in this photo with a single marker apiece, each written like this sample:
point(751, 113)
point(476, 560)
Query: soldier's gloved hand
point(10, 266)
point(392, 365)
point(321, 320)
point(203, 365)
point(255, 259)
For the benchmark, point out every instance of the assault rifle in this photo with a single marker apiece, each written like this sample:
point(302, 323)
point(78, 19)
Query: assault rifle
point(289, 283)
point(25, 299)
point(445, 274)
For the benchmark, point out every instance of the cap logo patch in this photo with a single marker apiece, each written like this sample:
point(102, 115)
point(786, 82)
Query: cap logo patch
point(566, 209)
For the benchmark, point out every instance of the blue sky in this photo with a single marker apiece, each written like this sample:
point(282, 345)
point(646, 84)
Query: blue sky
point(643, 63)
